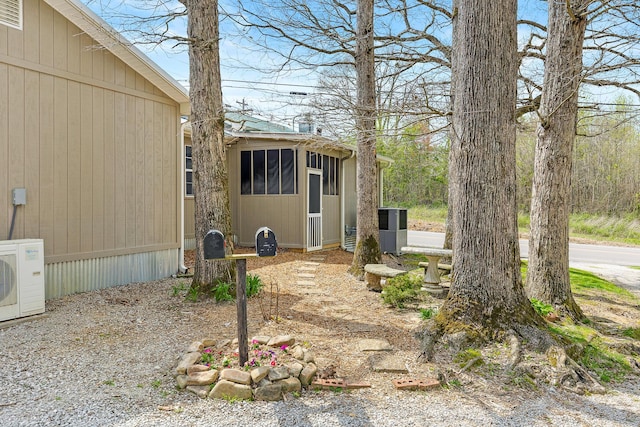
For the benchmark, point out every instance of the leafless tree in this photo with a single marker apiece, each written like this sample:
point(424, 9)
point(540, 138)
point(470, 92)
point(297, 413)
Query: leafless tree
point(564, 72)
point(487, 297)
point(211, 180)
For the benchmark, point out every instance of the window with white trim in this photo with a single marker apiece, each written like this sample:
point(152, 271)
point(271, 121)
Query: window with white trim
point(11, 13)
point(188, 171)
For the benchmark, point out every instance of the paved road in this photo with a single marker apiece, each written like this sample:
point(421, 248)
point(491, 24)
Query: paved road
point(597, 254)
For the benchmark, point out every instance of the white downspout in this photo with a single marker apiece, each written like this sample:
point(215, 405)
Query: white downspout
point(182, 155)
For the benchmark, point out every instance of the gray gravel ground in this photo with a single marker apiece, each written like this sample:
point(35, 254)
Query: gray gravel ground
point(105, 359)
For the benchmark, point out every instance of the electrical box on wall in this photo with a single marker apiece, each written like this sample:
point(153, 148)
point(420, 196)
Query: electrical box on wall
point(19, 196)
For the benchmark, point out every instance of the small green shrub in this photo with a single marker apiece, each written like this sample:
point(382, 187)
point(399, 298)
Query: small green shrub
point(428, 313)
point(222, 292)
point(254, 285)
point(401, 289)
point(192, 294)
point(176, 290)
point(540, 307)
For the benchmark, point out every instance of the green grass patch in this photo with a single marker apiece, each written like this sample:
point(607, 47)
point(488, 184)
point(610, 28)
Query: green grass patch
point(632, 333)
point(428, 213)
point(581, 279)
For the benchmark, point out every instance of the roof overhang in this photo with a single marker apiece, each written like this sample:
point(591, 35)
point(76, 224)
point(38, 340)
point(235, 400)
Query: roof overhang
point(114, 42)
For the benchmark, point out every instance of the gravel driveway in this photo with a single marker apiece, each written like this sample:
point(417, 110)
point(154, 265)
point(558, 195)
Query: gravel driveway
point(105, 358)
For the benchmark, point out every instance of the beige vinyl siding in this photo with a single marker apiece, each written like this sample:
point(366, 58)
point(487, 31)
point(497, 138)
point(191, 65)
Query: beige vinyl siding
point(92, 141)
point(330, 220)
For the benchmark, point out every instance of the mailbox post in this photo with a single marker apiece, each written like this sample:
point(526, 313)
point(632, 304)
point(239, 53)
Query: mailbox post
point(214, 249)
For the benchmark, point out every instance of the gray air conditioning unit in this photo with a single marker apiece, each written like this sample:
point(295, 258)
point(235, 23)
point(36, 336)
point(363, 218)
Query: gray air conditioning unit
point(393, 229)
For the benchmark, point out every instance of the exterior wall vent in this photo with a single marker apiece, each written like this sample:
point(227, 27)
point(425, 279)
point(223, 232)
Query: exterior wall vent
point(11, 13)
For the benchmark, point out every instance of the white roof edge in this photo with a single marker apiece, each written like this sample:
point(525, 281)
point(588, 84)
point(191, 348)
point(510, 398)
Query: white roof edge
point(107, 36)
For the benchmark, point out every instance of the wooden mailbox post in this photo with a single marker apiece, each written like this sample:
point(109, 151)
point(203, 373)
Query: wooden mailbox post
point(214, 249)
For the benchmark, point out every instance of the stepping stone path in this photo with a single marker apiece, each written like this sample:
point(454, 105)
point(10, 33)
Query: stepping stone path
point(307, 272)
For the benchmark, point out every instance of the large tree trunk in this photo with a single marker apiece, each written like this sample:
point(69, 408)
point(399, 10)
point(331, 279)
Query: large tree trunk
point(486, 297)
point(367, 249)
point(210, 177)
point(548, 274)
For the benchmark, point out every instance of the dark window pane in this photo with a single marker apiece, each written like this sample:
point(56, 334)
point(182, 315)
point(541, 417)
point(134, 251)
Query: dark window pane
point(314, 160)
point(187, 150)
point(325, 176)
point(273, 171)
point(188, 163)
point(189, 179)
point(258, 172)
point(337, 176)
point(332, 176)
point(308, 159)
point(189, 190)
point(288, 176)
point(314, 193)
point(245, 172)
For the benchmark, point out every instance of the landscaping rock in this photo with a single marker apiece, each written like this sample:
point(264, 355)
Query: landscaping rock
point(261, 339)
point(259, 373)
point(270, 393)
point(202, 391)
point(195, 346)
point(222, 344)
point(203, 378)
point(279, 373)
point(209, 342)
point(291, 384)
point(295, 368)
point(263, 382)
point(197, 368)
point(228, 390)
point(298, 352)
point(186, 361)
point(307, 374)
point(236, 376)
point(280, 340)
point(308, 356)
point(182, 381)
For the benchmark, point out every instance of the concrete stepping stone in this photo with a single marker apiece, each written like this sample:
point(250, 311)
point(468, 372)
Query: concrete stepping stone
point(374, 345)
point(312, 264)
point(389, 363)
point(305, 283)
point(310, 268)
point(307, 275)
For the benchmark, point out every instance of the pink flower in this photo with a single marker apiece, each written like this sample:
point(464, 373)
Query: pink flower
point(207, 350)
point(273, 362)
point(284, 347)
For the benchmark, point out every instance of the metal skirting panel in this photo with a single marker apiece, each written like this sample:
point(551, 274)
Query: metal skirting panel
point(189, 244)
point(65, 278)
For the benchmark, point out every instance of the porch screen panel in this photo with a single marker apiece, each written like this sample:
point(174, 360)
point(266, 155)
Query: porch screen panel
point(245, 172)
point(288, 171)
point(258, 172)
point(325, 175)
point(314, 194)
point(273, 171)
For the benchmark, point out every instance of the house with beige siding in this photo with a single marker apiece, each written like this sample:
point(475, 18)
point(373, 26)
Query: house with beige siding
point(91, 129)
point(301, 185)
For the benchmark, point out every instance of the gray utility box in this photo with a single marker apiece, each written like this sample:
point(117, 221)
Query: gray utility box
point(393, 229)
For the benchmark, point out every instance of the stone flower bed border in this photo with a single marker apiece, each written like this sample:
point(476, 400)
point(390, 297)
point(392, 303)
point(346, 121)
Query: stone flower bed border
point(277, 365)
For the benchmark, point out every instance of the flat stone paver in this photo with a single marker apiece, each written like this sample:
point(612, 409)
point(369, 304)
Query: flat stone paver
point(389, 363)
point(307, 268)
point(312, 263)
point(374, 345)
point(305, 283)
point(307, 275)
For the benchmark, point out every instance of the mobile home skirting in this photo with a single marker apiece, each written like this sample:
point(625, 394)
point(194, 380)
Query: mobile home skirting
point(70, 277)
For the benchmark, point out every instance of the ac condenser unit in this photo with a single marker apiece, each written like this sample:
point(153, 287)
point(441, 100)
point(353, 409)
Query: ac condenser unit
point(21, 278)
